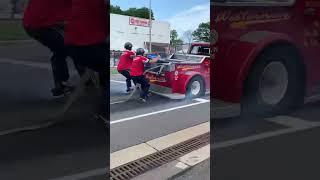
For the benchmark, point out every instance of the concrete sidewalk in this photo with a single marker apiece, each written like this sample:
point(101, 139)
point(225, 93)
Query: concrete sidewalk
point(200, 171)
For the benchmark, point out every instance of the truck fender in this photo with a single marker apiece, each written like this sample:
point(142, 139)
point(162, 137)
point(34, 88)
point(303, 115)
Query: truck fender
point(260, 40)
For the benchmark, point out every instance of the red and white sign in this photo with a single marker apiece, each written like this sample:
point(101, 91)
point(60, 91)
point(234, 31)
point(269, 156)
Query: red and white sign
point(139, 22)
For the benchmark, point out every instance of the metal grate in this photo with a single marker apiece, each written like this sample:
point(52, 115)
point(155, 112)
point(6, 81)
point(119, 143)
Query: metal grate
point(140, 166)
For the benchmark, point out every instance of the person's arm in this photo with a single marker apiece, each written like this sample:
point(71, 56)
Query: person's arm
point(132, 56)
point(155, 60)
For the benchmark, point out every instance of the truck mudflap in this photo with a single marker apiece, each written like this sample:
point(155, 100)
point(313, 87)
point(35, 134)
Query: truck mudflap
point(165, 92)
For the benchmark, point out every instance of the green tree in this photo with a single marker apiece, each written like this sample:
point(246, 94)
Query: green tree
point(174, 40)
point(202, 33)
point(136, 12)
point(115, 10)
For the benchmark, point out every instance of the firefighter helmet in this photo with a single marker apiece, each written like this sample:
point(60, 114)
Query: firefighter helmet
point(128, 45)
point(140, 51)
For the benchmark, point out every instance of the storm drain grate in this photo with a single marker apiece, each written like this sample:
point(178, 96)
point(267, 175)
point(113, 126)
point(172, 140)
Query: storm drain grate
point(140, 166)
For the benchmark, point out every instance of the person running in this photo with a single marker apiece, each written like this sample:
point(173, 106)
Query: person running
point(44, 21)
point(86, 37)
point(125, 62)
point(137, 72)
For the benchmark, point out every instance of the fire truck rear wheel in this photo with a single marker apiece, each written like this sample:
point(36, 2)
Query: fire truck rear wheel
point(275, 84)
point(195, 87)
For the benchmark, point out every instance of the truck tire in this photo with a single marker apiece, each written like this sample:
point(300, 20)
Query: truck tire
point(195, 88)
point(275, 84)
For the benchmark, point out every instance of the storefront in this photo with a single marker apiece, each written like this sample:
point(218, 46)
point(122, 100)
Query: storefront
point(136, 30)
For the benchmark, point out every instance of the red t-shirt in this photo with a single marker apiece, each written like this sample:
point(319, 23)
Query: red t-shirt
point(125, 60)
point(45, 13)
point(88, 23)
point(137, 68)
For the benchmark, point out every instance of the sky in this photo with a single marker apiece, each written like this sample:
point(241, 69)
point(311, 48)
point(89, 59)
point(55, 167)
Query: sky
point(183, 15)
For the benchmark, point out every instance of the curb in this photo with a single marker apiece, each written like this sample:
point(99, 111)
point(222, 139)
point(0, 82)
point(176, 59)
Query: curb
point(172, 168)
point(186, 170)
point(178, 167)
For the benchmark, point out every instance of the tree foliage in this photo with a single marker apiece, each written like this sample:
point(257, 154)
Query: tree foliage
point(174, 40)
point(135, 12)
point(202, 33)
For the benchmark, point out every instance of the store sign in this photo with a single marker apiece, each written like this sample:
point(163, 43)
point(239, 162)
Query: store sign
point(139, 22)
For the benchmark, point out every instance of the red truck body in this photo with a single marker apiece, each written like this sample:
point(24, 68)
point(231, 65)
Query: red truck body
point(173, 77)
point(242, 30)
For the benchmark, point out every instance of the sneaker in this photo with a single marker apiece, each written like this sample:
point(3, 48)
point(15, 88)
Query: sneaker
point(129, 90)
point(143, 100)
point(62, 91)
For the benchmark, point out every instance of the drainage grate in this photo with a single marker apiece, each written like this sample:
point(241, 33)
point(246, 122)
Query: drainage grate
point(140, 166)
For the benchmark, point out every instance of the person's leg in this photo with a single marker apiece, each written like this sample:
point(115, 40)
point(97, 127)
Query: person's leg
point(146, 87)
point(94, 57)
point(126, 74)
point(52, 38)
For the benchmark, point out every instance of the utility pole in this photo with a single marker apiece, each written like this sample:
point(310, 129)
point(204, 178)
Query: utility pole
point(150, 26)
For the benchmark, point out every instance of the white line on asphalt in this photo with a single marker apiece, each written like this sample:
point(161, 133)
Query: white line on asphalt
point(201, 100)
point(117, 102)
point(121, 82)
point(157, 112)
point(25, 63)
point(290, 121)
point(261, 136)
point(84, 175)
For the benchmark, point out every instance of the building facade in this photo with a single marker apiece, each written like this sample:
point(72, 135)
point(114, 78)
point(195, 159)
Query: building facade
point(136, 30)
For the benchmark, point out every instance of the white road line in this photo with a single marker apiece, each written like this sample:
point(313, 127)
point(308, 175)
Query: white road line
point(156, 112)
point(117, 102)
point(121, 82)
point(261, 136)
point(201, 100)
point(84, 175)
point(290, 121)
point(26, 63)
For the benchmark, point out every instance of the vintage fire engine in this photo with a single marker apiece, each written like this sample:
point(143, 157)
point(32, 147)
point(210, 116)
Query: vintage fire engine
point(266, 54)
point(182, 75)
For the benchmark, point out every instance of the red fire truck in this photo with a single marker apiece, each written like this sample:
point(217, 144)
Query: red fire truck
point(266, 54)
point(182, 75)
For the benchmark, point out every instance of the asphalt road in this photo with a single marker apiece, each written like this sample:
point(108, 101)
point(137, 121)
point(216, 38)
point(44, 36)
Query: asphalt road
point(74, 147)
point(281, 147)
point(134, 122)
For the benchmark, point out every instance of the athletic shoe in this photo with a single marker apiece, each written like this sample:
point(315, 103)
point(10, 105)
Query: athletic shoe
point(63, 90)
point(143, 100)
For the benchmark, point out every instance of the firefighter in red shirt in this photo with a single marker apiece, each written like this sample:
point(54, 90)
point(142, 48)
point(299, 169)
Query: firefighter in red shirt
point(125, 62)
point(86, 37)
point(44, 21)
point(137, 72)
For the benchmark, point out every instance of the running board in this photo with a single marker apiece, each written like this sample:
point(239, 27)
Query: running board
point(175, 96)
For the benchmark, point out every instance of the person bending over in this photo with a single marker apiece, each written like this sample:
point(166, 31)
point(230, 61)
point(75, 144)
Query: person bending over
point(44, 21)
point(125, 62)
point(137, 72)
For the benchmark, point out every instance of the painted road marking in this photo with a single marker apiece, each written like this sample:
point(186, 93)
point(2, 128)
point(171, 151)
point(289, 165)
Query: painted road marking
point(121, 82)
point(201, 100)
point(46, 66)
point(157, 112)
point(25, 63)
point(117, 102)
point(290, 121)
point(84, 175)
point(294, 126)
